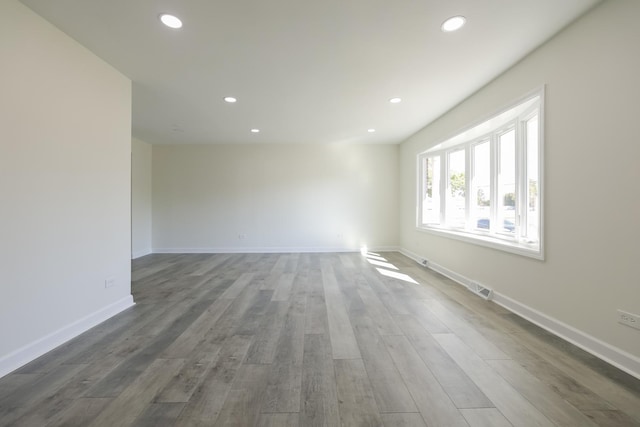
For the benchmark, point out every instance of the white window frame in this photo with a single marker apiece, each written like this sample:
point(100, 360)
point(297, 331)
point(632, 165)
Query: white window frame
point(494, 237)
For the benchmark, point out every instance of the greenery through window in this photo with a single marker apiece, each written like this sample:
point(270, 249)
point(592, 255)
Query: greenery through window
point(484, 184)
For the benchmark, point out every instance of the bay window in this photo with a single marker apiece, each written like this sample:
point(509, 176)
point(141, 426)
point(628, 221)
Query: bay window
point(484, 185)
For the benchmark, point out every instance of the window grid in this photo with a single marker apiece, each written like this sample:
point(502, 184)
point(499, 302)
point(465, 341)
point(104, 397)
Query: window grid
point(511, 217)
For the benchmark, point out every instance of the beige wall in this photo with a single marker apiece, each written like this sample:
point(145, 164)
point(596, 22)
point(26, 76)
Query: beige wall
point(281, 197)
point(64, 184)
point(140, 198)
point(592, 203)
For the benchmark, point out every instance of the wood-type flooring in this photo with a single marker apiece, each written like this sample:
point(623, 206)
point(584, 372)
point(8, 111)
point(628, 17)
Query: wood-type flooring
point(336, 339)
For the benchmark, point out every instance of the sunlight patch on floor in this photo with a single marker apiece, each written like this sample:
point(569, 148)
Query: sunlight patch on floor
point(388, 270)
point(397, 275)
point(382, 264)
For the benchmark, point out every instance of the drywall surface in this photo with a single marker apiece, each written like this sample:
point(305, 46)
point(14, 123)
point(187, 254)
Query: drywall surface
point(140, 198)
point(591, 199)
point(591, 175)
point(64, 184)
point(284, 198)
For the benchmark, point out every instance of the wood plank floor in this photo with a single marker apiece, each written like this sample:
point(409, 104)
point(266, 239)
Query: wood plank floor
point(313, 340)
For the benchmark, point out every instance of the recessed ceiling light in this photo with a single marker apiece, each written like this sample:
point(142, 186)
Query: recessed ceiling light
point(171, 21)
point(454, 23)
point(255, 130)
point(229, 99)
point(395, 100)
point(371, 130)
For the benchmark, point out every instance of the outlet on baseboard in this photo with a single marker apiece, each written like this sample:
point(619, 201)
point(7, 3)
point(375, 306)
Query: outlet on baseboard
point(629, 319)
point(109, 282)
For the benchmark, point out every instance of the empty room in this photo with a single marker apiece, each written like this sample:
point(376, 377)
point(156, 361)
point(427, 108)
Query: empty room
point(295, 213)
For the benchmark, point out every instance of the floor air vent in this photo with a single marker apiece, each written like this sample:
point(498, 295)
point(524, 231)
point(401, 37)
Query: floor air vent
point(480, 290)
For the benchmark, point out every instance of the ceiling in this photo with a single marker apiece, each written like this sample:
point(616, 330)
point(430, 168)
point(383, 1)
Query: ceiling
point(303, 71)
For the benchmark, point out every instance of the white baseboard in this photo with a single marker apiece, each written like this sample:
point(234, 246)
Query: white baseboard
point(32, 351)
point(459, 278)
point(268, 250)
point(615, 356)
point(414, 256)
point(602, 350)
point(140, 254)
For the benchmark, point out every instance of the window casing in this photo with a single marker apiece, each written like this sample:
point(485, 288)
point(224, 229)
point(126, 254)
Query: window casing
point(484, 185)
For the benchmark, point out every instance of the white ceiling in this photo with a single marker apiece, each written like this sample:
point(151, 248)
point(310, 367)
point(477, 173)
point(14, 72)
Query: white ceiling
point(304, 71)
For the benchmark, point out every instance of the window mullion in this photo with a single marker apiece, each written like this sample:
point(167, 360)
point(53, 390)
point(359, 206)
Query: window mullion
point(467, 187)
point(493, 211)
point(422, 168)
point(444, 172)
point(521, 176)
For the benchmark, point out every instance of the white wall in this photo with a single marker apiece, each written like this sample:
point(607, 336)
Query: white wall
point(140, 198)
point(592, 203)
point(281, 197)
point(65, 187)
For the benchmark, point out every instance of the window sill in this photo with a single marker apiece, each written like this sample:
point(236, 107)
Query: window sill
point(479, 239)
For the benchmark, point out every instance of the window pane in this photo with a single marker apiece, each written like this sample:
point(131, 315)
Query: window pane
point(507, 184)
point(484, 185)
point(481, 186)
point(455, 203)
point(533, 197)
point(431, 196)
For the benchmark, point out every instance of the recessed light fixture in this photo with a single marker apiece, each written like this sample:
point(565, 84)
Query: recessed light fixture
point(254, 130)
point(230, 99)
point(371, 130)
point(171, 21)
point(395, 100)
point(454, 23)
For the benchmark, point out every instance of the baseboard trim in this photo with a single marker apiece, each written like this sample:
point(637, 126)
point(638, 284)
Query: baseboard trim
point(459, 278)
point(269, 250)
point(602, 350)
point(32, 351)
point(140, 254)
point(409, 254)
point(613, 355)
